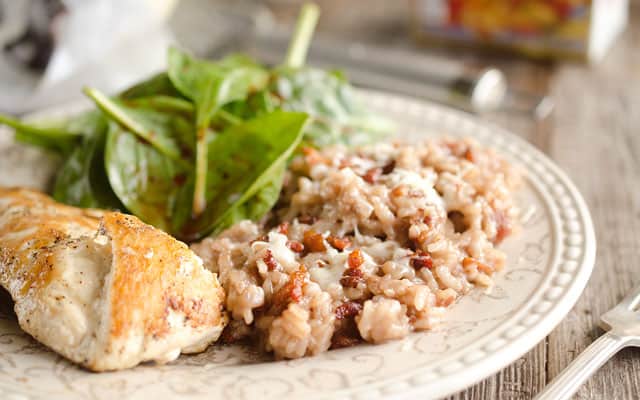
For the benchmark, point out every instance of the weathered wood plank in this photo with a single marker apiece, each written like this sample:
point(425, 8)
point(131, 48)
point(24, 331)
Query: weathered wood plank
point(596, 139)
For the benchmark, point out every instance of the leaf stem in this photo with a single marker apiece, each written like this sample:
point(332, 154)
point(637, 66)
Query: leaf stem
point(228, 117)
point(162, 102)
point(112, 110)
point(299, 45)
point(200, 185)
point(51, 133)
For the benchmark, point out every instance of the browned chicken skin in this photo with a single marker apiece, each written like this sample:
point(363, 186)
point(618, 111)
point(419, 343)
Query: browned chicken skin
point(102, 288)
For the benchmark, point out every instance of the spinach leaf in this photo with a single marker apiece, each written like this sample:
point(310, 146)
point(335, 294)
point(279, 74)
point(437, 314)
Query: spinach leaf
point(160, 129)
point(245, 176)
point(337, 115)
point(210, 86)
point(257, 205)
point(256, 104)
point(162, 103)
point(180, 106)
point(50, 135)
point(148, 155)
point(82, 180)
point(159, 84)
point(145, 180)
point(253, 209)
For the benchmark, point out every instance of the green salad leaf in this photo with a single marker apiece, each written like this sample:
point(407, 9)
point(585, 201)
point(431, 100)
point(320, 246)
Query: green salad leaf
point(82, 181)
point(160, 129)
point(246, 170)
point(337, 115)
point(145, 180)
point(148, 155)
point(50, 135)
point(159, 84)
point(210, 86)
point(162, 103)
point(258, 204)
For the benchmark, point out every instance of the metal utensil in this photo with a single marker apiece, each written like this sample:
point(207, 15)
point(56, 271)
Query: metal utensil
point(402, 70)
point(623, 329)
point(437, 78)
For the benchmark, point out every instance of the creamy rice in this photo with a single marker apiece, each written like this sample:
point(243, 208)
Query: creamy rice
point(367, 244)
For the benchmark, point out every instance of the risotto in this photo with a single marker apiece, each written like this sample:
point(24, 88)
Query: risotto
point(365, 245)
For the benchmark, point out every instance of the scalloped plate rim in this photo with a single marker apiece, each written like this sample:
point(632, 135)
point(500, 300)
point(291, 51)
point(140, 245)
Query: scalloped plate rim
point(462, 377)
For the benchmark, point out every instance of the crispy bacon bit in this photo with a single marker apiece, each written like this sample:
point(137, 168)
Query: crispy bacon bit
point(503, 227)
point(313, 156)
point(339, 243)
point(233, 334)
point(421, 260)
point(456, 148)
point(308, 150)
point(503, 232)
point(399, 190)
point(427, 219)
point(355, 259)
point(389, 167)
point(307, 219)
point(340, 340)
point(444, 299)
point(313, 241)
point(291, 291)
point(372, 175)
point(283, 228)
point(482, 267)
point(458, 220)
point(351, 277)
point(296, 281)
point(468, 155)
point(346, 334)
point(295, 246)
point(269, 260)
point(348, 309)
point(446, 302)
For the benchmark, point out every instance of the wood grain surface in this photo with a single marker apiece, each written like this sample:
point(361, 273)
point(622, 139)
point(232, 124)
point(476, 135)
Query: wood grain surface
point(594, 136)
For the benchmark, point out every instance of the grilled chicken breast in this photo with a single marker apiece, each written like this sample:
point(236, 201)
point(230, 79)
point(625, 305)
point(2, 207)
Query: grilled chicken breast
point(102, 288)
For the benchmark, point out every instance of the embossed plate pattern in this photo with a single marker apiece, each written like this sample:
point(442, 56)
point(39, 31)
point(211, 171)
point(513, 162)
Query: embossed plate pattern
point(548, 265)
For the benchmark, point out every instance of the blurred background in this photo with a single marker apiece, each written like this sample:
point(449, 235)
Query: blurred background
point(479, 55)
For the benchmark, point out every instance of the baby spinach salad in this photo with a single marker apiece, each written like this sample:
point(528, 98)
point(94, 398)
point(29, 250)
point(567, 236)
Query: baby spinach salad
point(203, 145)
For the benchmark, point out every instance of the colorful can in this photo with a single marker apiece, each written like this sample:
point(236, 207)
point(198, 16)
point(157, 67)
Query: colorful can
point(582, 29)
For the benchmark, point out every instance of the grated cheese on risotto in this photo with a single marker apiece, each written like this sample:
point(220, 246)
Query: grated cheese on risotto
point(365, 245)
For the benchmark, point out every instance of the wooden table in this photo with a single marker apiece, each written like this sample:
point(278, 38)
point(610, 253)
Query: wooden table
point(594, 135)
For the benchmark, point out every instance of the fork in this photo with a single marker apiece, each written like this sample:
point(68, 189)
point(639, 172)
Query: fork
point(622, 324)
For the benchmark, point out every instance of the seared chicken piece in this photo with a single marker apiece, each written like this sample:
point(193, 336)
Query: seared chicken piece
point(102, 288)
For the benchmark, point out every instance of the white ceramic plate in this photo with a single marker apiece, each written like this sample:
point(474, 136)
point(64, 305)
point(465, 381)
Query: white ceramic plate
point(548, 265)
